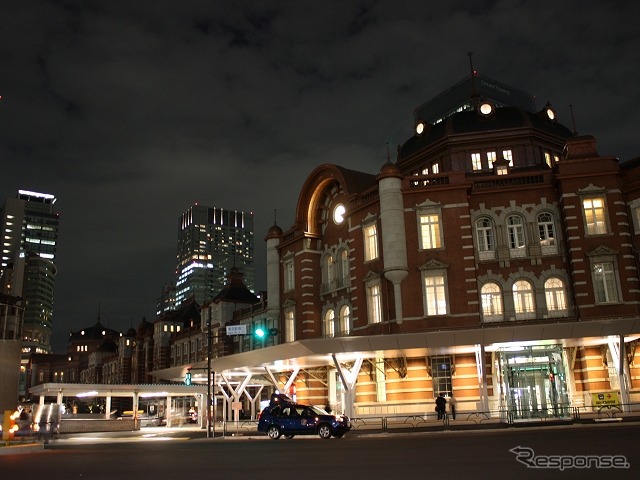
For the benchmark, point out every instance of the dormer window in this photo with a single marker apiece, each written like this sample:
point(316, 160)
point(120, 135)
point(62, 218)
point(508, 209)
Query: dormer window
point(508, 156)
point(501, 167)
point(491, 158)
point(476, 161)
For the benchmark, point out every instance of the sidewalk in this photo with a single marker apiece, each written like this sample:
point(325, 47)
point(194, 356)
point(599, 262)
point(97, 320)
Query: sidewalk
point(192, 432)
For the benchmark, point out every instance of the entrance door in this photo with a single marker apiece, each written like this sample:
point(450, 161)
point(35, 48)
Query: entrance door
point(533, 381)
point(528, 391)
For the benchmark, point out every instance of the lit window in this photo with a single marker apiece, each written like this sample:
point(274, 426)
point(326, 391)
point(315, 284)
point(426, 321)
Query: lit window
point(546, 232)
point(515, 232)
point(374, 303)
point(370, 242)
point(508, 156)
point(594, 215)
point(328, 273)
point(290, 325)
point(502, 170)
point(491, 158)
point(345, 320)
point(329, 326)
point(476, 161)
point(604, 282)
point(429, 231)
point(491, 298)
point(523, 300)
point(484, 234)
point(435, 168)
point(555, 295)
point(441, 372)
point(434, 295)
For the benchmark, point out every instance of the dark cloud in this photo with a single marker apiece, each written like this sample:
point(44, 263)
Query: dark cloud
point(131, 111)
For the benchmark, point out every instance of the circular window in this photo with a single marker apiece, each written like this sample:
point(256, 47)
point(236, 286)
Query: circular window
point(338, 214)
point(486, 108)
point(551, 114)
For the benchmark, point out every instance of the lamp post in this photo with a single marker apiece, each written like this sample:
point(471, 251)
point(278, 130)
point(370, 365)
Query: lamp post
point(210, 429)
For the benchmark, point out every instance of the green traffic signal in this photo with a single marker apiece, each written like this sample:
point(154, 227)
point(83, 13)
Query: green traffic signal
point(263, 333)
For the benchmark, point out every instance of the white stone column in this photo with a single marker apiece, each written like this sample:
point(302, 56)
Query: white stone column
point(394, 242)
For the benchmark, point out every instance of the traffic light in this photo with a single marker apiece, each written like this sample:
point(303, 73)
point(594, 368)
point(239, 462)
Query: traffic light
point(187, 378)
point(264, 333)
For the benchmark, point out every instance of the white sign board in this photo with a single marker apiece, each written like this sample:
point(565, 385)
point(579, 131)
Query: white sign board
point(236, 329)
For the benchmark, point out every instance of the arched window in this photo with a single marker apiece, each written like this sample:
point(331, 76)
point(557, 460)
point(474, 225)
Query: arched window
point(546, 232)
point(329, 326)
point(290, 325)
point(484, 237)
point(556, 297)
point(515, 232)
point(523, 300)
point(491, 298)
point(344, 274)
point(345, 320)
point(328, 273)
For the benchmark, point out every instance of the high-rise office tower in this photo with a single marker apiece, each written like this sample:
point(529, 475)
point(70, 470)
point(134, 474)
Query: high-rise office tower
point(29, 232)
point(210, 242)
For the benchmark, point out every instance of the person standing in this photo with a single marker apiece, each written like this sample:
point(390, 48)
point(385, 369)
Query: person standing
point(441, 406)
point(453, 403)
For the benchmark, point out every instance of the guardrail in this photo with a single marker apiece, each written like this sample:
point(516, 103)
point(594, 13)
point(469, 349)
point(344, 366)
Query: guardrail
point(501, 418)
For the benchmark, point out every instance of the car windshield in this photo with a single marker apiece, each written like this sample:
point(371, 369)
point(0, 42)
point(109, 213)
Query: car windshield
point(318, 410)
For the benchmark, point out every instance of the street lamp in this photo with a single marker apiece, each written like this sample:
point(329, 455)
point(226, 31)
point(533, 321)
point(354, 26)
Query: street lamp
point(210, 429)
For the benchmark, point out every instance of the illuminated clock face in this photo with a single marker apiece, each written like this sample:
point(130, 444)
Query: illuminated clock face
point(338, 214)
point(486, 108)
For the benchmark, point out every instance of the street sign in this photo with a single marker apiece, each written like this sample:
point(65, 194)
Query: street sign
point(236, 329)
point(604, 399)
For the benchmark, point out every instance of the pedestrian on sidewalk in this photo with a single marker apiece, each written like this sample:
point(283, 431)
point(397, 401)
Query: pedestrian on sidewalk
point(441, 406)
point(453, 403)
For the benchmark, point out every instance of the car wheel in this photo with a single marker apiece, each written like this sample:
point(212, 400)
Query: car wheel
point(289, 436)
point(273, 432)
point(324, 431)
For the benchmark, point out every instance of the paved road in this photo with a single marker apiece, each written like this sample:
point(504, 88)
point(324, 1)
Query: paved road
point(160, 454)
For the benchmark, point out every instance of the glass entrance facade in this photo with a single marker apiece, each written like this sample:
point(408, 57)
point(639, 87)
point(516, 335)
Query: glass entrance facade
point(533, 381)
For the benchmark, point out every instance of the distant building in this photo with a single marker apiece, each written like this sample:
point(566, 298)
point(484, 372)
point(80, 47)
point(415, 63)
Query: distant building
point(211, 241)
point(29, 232)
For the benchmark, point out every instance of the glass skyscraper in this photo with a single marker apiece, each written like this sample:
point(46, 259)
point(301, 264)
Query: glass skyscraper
point(210, 242)
point(29, 232)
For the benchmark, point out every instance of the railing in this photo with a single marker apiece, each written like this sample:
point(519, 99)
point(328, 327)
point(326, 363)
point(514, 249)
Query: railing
point(493, 419)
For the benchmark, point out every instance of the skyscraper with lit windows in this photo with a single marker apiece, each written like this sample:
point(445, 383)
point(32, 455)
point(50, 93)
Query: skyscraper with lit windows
point(210, 242)
point(29, 232)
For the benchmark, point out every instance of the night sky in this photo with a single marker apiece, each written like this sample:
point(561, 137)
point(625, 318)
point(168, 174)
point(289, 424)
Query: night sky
point(131, 111)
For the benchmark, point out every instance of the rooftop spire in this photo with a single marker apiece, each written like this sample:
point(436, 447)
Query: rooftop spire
point(475, 97)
